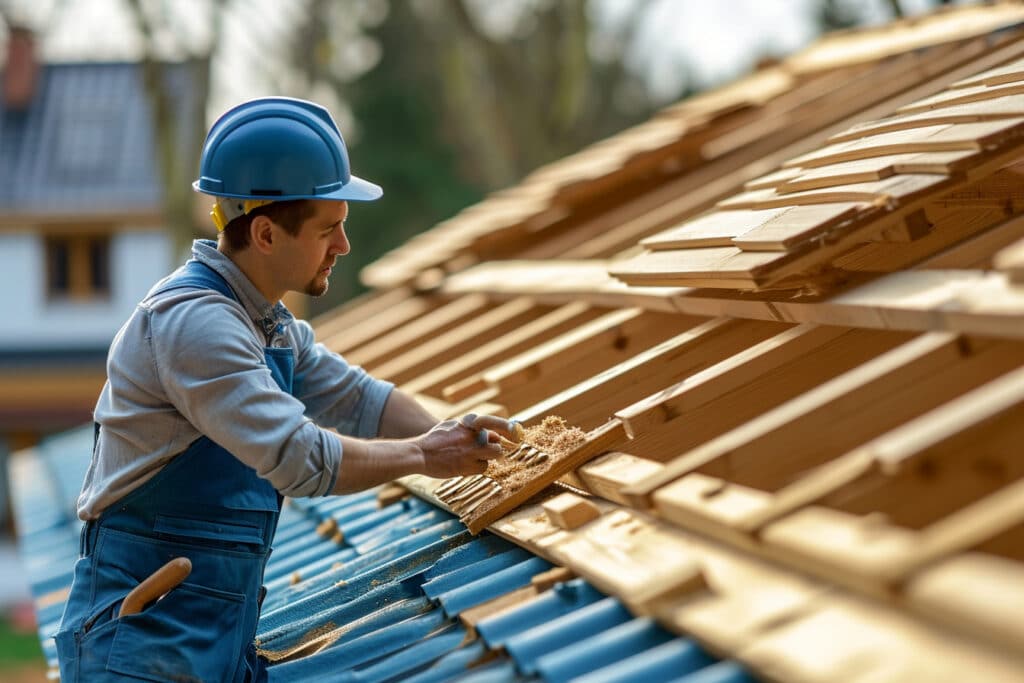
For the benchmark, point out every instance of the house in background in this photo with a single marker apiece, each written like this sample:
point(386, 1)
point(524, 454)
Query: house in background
point(81, 232)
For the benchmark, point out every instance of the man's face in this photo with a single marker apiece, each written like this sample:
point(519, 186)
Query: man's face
point(320, 241)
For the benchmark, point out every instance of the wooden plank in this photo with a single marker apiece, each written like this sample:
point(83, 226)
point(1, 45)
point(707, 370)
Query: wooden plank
point(359, 310)
point(1011, 261)
point(438, 321)
point(977, 252)
point(715, 229)
point(581, 354)
point(940, 138)
point(796, 224)
point(971, 527)
point(734, 372)
point(981, 594)
point(766, 458)
point(607, 475)
point(478, 518)
point(853, 47)
point(1008, 73)
point(771, 180)
point(839, 637)
point(710, 266)
point(690, 436)
point(928, 468)
point(472, 334)
point(557, 322)
point(1008, 106)
point(342, 338)
point(593, 401)
point(949, 98)
point(878, 168)
point(624, 554)
point(892, 191)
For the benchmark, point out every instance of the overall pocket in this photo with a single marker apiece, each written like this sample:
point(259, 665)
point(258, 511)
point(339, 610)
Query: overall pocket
point(191, 634)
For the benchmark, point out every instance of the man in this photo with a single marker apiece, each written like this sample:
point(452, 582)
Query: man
point(212, 408)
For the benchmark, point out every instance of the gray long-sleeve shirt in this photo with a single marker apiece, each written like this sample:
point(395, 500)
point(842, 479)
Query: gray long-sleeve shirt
point(189, 363)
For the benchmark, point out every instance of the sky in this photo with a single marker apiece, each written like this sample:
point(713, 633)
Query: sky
point(679, 42)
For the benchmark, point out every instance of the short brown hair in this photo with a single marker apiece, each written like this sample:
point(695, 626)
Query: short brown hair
point(289, 214)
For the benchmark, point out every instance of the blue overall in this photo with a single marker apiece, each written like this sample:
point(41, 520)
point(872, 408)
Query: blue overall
point(205, 505)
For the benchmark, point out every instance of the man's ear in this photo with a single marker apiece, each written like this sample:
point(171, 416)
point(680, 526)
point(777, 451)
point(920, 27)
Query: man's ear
point(261, 234)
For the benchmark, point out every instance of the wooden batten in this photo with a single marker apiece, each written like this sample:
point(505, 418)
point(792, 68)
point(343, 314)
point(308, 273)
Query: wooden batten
point(720, 420)
point(342, 335)
point(594, 400)
point(927, 471)
point(437, 321)
point(581, 354)
point(442, 348)
point(1010, 260)
point(557, 322)
point(759, 474)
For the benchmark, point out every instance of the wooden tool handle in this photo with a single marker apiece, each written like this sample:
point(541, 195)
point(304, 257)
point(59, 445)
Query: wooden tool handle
point(159, 583)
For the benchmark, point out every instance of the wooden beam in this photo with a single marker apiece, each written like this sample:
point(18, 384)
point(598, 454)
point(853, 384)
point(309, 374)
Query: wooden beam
point(582, 354)
point(566, 317)
point(691, 436)
point(766, 460)
point(387, 346)
point(346, 334)
point(594, 400)
point(926, 470)
point(1010, 260)
point(442, 348)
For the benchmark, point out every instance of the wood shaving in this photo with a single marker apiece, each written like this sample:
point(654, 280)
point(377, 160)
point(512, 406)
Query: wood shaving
point(553, 436)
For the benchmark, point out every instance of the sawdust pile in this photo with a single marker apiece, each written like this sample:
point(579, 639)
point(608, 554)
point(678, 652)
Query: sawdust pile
point(553, 436)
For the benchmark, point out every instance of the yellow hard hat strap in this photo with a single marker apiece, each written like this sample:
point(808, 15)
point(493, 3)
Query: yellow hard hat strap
point(227, 209)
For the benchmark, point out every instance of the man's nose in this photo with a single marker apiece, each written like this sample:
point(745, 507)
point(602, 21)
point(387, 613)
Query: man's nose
point(341, 244)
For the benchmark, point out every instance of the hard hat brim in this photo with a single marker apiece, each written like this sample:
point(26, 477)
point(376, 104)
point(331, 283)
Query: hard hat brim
point(355, 190)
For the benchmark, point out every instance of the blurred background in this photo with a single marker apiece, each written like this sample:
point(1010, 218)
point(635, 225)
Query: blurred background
point(104, 105)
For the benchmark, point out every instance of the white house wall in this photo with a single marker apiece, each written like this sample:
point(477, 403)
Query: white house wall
point(137, 260)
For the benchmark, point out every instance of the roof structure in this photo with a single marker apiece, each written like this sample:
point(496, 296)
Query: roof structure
point(786, 316)
point(84, 146)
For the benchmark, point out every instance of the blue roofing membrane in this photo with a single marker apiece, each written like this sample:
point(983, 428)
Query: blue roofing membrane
point(382, 600)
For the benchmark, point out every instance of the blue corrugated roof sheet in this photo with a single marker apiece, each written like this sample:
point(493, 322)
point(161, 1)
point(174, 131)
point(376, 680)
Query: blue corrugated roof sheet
point(380, 602)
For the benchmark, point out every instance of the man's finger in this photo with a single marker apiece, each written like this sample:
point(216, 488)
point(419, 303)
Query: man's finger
point(498, 424)
point(490, 451)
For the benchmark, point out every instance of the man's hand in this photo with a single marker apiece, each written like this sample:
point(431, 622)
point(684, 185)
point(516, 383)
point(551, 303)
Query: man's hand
point(448, 449)
point(459, 447)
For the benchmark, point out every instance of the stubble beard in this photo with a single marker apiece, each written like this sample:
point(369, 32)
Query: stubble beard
point(317, 287)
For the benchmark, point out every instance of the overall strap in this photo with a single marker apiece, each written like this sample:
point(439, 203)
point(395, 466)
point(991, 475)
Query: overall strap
point(197, 275)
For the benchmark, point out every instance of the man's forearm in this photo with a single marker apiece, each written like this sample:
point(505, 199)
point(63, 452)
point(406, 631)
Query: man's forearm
point(365, 464)
point(403, 417)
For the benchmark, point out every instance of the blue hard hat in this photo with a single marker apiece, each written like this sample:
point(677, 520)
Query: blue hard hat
point(279, 148)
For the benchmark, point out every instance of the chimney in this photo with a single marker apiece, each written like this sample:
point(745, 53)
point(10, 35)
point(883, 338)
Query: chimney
point(22, 70)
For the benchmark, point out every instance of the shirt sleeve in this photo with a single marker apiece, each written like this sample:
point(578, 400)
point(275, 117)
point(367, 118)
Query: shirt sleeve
point(212, 367)
point(335, 393)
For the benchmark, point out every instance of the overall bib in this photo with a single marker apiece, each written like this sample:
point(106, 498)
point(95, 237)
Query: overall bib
point(205, 505)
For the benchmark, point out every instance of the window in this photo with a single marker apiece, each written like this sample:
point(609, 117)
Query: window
point(78, 266)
